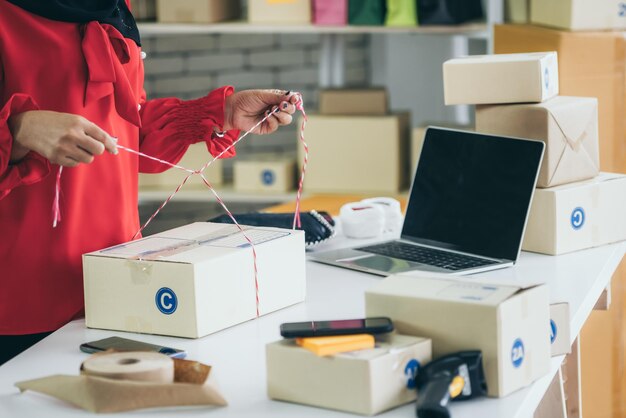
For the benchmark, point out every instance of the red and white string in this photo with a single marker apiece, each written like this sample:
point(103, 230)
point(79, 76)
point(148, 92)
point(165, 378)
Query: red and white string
point(296, 220)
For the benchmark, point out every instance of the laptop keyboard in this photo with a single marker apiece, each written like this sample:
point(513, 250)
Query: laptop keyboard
point(425, 255)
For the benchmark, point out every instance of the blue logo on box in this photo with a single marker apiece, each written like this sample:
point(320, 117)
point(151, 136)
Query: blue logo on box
point(517, 353)
point(622, 9)
point(552, 331)
point(410, 371)
point(577, 218)
point(267, 177)
point(166, 300)
point(546, 74)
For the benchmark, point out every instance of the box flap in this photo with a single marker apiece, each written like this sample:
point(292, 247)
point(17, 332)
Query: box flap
point(444, 288)
point(193, 243)
point(521, 57)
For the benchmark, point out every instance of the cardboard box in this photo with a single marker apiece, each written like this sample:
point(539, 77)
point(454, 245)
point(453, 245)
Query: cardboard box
point(509, 324)
point(195, 158)
point(354, 102)
point(265, 174)
point(330, 12)
point(197, 11)
point(504, 78)
point(143, 10)
point(559, 329)
point(357, 154)
point(279, 11)
point(417, 138)
point(576, 216)
point(194, 280)
point(568, 126)
point(590, 65)
point(365, 382)
point(579, 14)
point(517, 11)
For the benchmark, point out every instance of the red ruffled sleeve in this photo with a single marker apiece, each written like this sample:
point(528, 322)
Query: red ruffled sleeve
point(170, 125)
point(30, 169)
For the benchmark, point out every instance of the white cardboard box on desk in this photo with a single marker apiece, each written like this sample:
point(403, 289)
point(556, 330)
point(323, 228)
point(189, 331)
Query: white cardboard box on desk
point(577, 216)
point(365, 382)
point(193, 280)
point(579, 14)
point(509, 324)
point(265, 174)
point(501, 78)
point(568, 126)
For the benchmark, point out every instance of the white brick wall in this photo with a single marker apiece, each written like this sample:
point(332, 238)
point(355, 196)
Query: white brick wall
point(188, 66)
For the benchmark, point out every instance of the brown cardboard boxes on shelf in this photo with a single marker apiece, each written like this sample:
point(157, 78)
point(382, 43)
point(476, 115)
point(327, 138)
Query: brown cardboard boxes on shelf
point(576, 216)
point(143, 10)
point(267, 174)
point(357, 154)
point(505, 78)
point(195, 157)
point(197, 11)
point(365, 382)
point(279, 11)
point(353, 102)
point(568, 126)
point(579, 14)
point(591, 64)
point(458, 314)
point(417, 138)
point(194, 280)
point(559, 329)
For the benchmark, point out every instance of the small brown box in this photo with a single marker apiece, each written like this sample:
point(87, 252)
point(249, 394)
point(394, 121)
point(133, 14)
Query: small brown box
point(197, 11)
point(353, 102)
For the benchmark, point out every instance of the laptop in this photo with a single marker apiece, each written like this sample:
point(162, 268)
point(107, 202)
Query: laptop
point(467, 208)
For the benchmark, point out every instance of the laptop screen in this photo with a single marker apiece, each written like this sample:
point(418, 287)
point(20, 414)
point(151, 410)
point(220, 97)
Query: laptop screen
point(472, 192)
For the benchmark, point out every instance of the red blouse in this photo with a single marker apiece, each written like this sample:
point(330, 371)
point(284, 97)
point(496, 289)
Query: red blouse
point(92, 71)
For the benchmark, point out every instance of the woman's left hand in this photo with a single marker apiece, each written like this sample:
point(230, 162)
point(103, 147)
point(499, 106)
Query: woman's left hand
point(246, 108)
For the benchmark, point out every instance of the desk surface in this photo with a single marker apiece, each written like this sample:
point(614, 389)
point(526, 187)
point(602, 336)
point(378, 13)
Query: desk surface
point(238, 353)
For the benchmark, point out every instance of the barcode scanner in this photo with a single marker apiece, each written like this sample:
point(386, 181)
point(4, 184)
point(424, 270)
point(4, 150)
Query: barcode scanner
point(457, 376)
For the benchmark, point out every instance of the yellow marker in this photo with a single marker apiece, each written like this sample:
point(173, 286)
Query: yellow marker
point(326, 346)
point(456, 387)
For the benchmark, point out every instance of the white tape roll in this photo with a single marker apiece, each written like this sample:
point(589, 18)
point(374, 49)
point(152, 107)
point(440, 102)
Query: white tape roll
point(362, 220)
point(137, 366)
point(393, 212)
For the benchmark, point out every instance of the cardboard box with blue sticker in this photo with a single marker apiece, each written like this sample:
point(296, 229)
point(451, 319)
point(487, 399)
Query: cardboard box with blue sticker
point(577, 216)
point(365, 382)
point(501, 78)
point(509, 324)
point(265, 173)
point(194, 280)
point(560, 329)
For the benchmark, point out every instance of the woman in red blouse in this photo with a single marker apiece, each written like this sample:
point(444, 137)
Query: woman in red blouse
point(71, 87)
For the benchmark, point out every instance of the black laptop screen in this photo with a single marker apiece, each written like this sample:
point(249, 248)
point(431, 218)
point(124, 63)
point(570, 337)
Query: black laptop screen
point(471, 192)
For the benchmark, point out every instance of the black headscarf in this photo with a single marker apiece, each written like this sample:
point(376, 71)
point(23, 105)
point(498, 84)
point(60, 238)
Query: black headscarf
point(113, 12)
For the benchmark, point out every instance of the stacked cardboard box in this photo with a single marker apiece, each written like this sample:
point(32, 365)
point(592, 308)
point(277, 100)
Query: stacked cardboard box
point(356, 145)
point(591, 63)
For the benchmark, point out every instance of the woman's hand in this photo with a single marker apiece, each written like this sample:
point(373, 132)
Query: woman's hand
point(62, 138)
point(246, 108)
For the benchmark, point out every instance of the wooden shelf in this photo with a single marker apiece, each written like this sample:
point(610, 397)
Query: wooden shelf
point(158, 29)
point(227, 193)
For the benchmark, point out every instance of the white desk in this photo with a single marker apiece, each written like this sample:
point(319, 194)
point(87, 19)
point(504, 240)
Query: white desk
point(238, 353)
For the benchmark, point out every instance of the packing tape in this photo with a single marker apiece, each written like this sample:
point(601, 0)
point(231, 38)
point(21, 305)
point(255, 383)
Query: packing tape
point(137, 366)
point(393, 212)
point(362, 220)
point(140, 271)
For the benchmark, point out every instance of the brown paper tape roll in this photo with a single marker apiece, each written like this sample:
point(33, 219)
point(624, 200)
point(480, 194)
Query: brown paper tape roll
point(137, 366)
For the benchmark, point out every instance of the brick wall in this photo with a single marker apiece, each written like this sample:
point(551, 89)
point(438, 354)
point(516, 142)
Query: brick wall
point(187, 66)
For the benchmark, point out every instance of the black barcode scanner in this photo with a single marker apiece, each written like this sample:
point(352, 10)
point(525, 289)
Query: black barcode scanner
point(457, 376)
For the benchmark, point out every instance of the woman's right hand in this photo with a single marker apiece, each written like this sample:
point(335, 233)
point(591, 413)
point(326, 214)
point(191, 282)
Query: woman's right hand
point(62, 138)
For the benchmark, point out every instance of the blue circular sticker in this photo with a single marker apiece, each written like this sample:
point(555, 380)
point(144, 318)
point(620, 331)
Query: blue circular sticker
point(267, 177)
point(547, 78)
point(166, 300)
point(410, 371)
point(517, 353)
point(577, 218)
point(622, 9)
point(552, 331)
